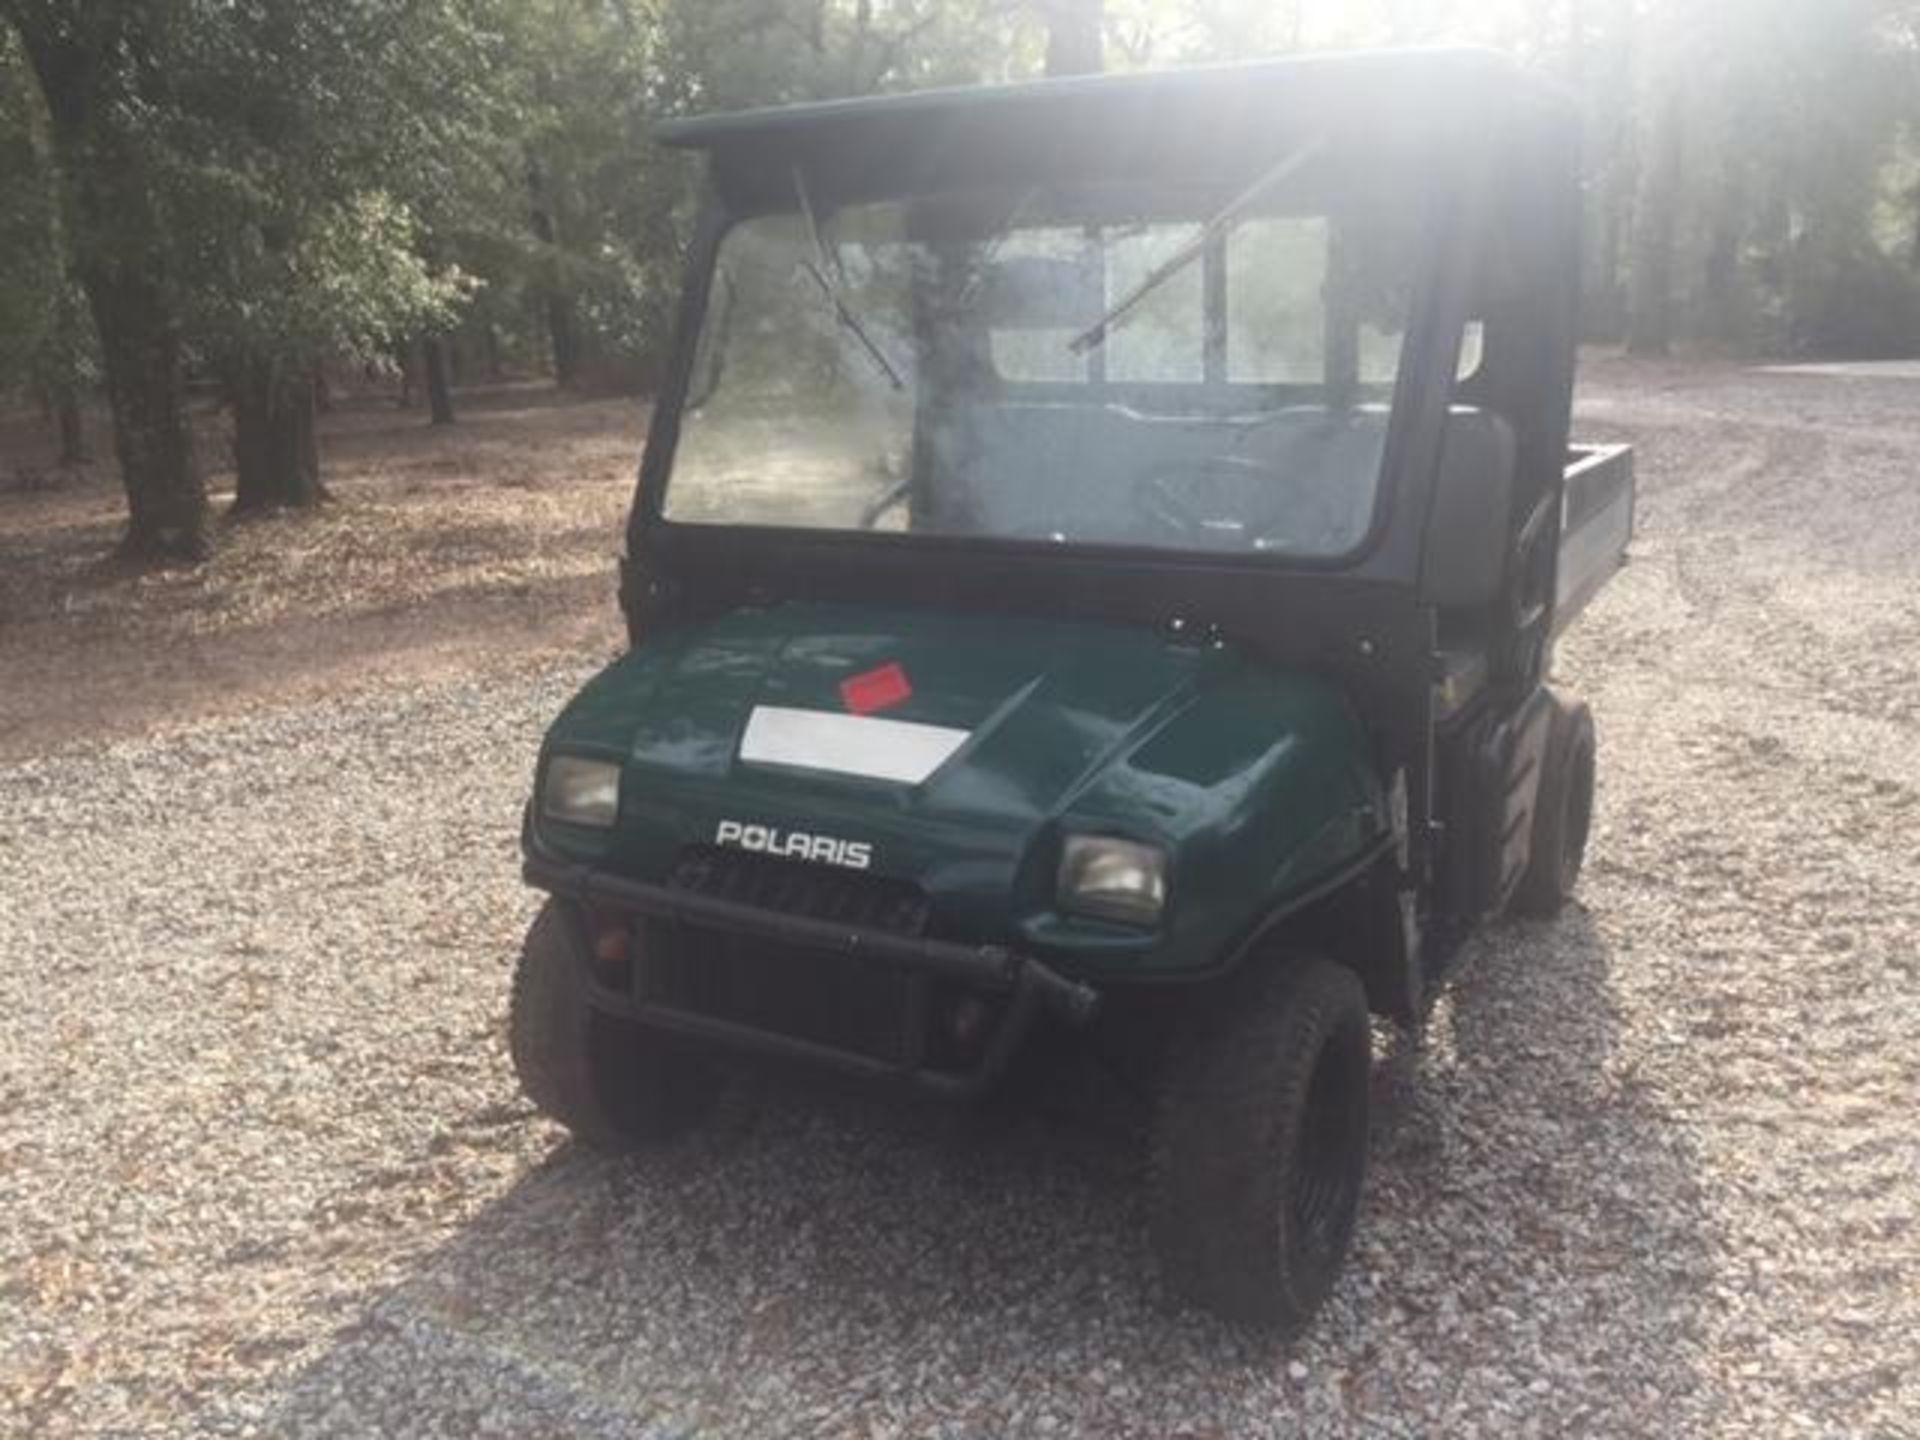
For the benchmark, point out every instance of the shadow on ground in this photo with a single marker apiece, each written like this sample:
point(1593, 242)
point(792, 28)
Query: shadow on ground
point(826, 1262)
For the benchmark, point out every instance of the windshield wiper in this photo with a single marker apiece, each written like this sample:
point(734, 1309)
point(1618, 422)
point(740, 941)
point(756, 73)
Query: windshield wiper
point(830, 290)
point(1096, 334)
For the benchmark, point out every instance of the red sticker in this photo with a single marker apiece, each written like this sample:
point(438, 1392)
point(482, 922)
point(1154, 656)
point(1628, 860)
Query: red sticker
point(877, 689)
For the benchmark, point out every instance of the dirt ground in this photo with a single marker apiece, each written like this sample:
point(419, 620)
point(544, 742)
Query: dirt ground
point(488, 546)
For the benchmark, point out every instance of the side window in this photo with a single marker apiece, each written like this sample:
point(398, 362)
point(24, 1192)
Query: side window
point(1276, 305)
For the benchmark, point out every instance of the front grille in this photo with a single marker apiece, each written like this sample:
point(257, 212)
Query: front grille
point(847, 1002)
point(800, 887)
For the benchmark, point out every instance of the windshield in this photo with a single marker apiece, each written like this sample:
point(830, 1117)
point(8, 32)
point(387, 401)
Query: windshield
point(1202, 368)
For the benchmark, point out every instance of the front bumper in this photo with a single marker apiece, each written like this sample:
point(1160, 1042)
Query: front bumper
point(1030, 988)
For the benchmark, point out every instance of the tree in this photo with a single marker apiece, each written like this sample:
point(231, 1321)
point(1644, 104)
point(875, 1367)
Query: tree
point(65, 364)
point(1764, 139)
point(1074, 40)
point(587, 165)
point(46, 339)
point(105, 73)
point(328, 129)
point(1650, 317)
point(245, 184)
point(439, 380)
point(345, 279)
point(556, 298)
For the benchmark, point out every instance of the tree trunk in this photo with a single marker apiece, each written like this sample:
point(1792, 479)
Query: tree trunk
point(1605, 310)
point(1720, 276)
point(1074, 36)
point(152, 435)
point(1606, 76)
point(110, 201)
point(73, 433)
point(1650, 317)
point(274, 449)
point(555, 302)
point(1913, 254)
point(407, 356)
point(857, 81)
point(439, 387)
point(564, 334)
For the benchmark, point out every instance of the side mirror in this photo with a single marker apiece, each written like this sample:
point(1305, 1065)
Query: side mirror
point(710, 352)
point(1464, 555)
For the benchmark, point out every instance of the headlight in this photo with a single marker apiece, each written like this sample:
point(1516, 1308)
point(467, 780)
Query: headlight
point(1113, 879)
point(581, 791)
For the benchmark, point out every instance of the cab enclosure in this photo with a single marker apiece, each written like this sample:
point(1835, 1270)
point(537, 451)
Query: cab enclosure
point(1275, 357)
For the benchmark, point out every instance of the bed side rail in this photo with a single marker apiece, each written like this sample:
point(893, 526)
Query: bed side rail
point(1596, 526)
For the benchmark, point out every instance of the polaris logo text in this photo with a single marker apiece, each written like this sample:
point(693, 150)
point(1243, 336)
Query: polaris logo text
point(794, 844)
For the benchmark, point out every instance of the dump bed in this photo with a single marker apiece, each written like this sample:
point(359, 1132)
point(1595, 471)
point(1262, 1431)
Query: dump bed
point(1596, 525)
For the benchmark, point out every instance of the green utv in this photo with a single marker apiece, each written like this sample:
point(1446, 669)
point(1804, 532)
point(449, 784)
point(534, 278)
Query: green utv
point(1095, 567)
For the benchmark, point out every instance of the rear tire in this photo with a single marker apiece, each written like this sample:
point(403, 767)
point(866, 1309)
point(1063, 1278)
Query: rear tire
point(1562, 815)
point(611, 1083)
point(1260, 1144)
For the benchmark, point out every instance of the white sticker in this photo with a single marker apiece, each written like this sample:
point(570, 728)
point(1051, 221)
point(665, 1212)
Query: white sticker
point(864, 745)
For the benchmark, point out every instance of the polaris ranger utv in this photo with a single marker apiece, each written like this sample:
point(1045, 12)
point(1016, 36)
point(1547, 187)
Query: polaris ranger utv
point(1095, 567)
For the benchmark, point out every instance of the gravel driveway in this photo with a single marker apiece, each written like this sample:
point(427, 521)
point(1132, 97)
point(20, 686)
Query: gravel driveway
point(264, 1169)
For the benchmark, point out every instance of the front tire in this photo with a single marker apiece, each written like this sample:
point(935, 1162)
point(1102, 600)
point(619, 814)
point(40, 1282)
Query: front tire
point(1260, 1144)
point(611, 1083)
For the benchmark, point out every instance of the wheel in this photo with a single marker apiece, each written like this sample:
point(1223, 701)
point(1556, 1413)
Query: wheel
point(612, 1084)
point(1260, 1143)
point(1562, 815)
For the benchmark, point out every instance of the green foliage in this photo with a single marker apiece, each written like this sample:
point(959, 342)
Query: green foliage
point(350, 278)
point(28, 260)
point(292, 158)
point(46, 338)
point(602, 214)
point(1789, 112)
point(326, 140)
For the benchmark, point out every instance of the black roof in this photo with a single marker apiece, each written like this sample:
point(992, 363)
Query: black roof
point(1451, 84)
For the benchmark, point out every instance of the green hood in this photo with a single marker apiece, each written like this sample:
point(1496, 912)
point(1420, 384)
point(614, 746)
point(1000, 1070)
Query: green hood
point(1256, 782)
